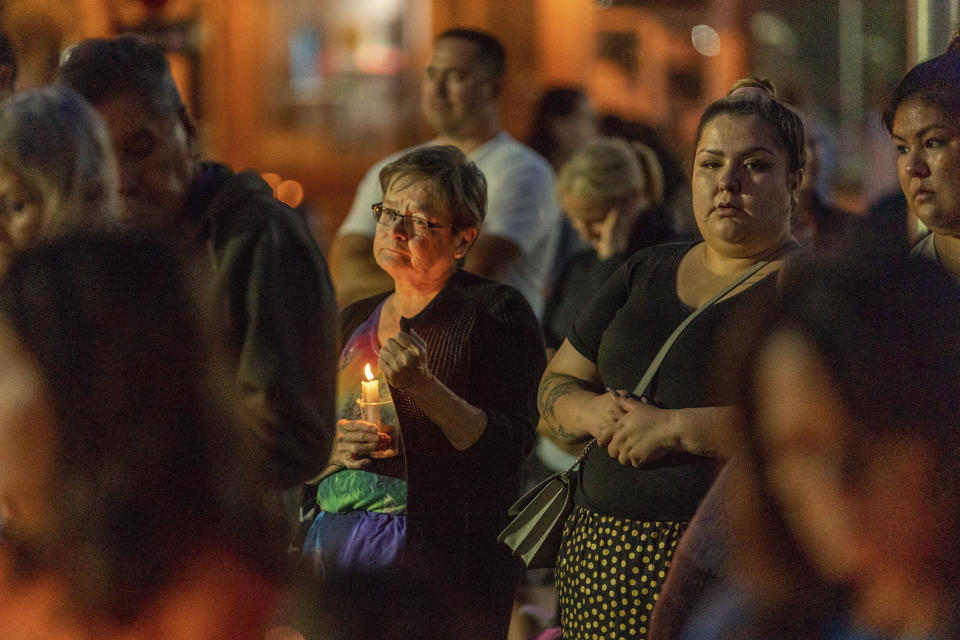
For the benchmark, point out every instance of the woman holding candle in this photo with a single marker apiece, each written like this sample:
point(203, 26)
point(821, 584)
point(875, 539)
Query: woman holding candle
point(440, 340)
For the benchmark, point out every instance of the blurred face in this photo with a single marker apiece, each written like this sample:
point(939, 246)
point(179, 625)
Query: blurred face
point(800, 422)
point(154, 160)
point(586, 216)
point(26, 444)
point(928, 165)
point(874, 530)
point(424, 260)
point(21, 213)
point(573, 131)
point(742, 188)
point(456, 91)
point(33, 605)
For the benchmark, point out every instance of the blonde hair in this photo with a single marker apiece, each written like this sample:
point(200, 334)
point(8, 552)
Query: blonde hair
point(610, 172)
point(57, 145)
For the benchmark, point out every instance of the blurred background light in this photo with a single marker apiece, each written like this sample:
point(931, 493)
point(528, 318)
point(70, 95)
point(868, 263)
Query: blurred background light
point(770, 29)
point(705, 40)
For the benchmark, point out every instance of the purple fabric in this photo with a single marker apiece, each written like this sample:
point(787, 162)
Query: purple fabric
point(355, 541)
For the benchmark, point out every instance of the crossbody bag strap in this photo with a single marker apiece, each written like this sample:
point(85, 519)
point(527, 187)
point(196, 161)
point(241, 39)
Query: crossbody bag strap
point(641, 387)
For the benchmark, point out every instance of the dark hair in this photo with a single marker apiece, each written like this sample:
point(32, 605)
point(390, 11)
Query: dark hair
point(102, 68)
point(674, 174)
point(786, 124)
point(150, 469)
point(8, 56)
point(559, 102)
point(935, 82)
point(874, 315)
point(490, 52)
point(455, 183)
point(888, 330)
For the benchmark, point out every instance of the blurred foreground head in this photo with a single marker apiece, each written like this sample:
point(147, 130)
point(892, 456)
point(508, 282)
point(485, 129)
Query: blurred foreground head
point(122, 477)
point(852, 410)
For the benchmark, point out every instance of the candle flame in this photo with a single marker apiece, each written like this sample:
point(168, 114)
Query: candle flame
point(367, 372)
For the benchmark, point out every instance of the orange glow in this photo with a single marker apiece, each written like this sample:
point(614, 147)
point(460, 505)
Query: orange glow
point(289, 192)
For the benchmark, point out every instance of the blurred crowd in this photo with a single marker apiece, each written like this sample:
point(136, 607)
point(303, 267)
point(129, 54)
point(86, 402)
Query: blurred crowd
point(208, 431)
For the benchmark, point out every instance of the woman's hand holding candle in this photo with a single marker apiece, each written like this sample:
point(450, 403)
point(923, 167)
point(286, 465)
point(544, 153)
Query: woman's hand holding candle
point(355, 441)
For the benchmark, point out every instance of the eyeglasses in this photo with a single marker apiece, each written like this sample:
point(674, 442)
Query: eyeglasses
point(419, 225)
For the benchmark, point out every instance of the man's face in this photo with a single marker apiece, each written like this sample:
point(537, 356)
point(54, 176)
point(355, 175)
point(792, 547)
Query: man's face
point(154, 158)
point(457, 88)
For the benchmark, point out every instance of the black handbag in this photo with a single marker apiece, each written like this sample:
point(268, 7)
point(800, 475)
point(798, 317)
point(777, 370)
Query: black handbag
point(535, 532)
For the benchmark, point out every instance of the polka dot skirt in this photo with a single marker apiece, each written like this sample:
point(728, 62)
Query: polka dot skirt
point(609, 573)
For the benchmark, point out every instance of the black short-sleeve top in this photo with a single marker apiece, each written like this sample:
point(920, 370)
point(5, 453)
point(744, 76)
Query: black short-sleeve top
point(621, 331)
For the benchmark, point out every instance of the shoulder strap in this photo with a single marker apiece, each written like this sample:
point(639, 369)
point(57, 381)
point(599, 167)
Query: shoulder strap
point(641, 387)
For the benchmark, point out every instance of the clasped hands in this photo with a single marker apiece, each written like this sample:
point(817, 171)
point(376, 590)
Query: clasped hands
point(632, 430)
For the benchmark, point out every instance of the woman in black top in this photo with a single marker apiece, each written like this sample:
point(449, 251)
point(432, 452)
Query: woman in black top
point(655, 458)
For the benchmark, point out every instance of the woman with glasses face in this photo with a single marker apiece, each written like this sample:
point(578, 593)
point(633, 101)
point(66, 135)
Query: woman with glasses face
point(455, 360)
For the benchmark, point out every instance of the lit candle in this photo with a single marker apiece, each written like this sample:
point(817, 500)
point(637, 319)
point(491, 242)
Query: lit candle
point(370, 397)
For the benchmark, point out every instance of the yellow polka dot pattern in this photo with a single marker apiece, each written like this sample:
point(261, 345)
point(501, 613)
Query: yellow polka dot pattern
point(609, 573)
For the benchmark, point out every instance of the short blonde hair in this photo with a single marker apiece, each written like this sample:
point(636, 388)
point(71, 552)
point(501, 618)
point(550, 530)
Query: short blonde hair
point(609, 171)
point(57, 145)
point(454, 182)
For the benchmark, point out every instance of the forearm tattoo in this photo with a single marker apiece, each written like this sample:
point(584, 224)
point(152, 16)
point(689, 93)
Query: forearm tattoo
point(554, 387)
point(561, 433)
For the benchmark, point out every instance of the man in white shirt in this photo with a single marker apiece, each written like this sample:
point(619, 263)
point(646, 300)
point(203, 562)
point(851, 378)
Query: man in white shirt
point(518, 239)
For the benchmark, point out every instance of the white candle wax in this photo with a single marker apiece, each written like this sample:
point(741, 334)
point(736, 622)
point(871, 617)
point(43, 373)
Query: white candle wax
point(370, 393)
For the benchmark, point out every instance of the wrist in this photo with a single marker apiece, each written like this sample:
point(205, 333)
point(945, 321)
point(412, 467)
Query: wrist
point(672, 429)
point(420, 389)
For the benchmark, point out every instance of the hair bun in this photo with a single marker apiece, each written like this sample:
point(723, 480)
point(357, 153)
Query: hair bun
point(753, 84)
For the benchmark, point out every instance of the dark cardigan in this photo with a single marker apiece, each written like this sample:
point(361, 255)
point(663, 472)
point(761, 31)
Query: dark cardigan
point(484, 343)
